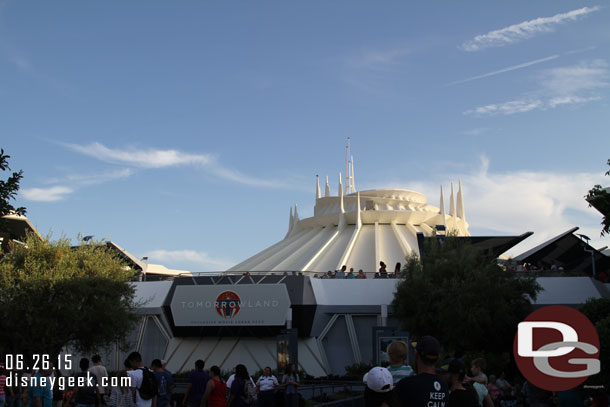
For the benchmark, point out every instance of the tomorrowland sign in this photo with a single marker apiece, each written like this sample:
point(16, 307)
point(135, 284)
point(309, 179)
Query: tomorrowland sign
point(237, 305)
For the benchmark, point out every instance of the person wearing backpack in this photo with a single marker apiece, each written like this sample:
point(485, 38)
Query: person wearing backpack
point(243, 392)
point(87, 395)
point(143, 382)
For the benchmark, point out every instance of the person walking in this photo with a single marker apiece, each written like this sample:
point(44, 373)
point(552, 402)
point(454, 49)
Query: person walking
point(165, 383)
point(266, 386)
point(459, 396)
point(198, 380)
point(216, 390)
point(139, 381)
point(2, 386)
point(290, 382)
point(425, 388)
point(101, 374)
point(87, 395)
point(238, 396)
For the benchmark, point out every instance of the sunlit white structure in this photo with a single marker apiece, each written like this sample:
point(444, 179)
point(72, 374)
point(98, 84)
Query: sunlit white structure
point(359, 229)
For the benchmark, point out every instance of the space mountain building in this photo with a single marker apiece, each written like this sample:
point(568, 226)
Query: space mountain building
point(277, 306)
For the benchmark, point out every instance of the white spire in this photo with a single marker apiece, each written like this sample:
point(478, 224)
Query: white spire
point(349, 170)
point(452, 203)
point(460, 203)
point(342, 220)
point(318, 192)
point(327, 190)
point(442, 208)
point(295, 219)
point(353, 177)
point(290, 223)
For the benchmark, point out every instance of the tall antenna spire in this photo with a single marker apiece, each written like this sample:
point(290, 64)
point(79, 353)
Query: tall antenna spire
point(327, 189)
point(349, 170)
point(318, 192)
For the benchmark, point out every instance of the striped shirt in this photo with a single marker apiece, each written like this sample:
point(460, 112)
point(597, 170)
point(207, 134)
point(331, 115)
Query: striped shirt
point(2, 384)
point(400, 372)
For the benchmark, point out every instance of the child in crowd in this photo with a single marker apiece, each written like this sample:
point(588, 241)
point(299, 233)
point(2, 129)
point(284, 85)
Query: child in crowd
point(397, 353)
point(494, 390)
point(379, 388)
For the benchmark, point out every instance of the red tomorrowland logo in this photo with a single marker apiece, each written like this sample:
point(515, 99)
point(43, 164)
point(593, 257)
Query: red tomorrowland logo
point(228, 304)
point(556, 348)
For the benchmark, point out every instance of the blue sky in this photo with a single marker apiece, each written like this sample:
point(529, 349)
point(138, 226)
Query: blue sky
point(185, 132)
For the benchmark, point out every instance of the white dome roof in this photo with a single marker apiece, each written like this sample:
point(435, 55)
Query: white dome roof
point(358, 230)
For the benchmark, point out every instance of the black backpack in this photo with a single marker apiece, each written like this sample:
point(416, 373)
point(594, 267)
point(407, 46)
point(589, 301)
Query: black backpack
point(149, 387)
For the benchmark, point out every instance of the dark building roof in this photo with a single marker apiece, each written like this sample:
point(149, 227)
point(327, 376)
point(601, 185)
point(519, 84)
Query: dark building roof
point(494, 244)
point(568, 251)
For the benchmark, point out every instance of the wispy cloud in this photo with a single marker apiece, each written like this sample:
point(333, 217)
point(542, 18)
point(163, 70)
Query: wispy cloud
point(149, 158)
point(93, 179)
point(156, 158)
point(51, 194)
point(191, 259)
point(25, 66)
point(523, 30)
point(370, 69)
point(563, 86)
point(507, 108)
point(380, 58)
point(569, 80)
point(475, 132)
point(508, 69)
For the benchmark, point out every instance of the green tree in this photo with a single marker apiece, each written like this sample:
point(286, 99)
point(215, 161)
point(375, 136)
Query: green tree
point(53, 295)
point(463, 297)
point(599, 198)
point(598, 312)
point(8, 189)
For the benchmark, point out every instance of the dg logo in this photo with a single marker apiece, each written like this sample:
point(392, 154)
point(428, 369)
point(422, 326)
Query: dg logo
point(557, 348)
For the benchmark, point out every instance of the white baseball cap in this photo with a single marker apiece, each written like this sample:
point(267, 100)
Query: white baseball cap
point(379, 379)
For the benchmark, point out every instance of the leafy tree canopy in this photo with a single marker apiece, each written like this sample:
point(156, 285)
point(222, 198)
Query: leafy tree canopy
point(463, 297)
point(598, 312)
point(9, 188)
point(600, 199)
point(53, 294)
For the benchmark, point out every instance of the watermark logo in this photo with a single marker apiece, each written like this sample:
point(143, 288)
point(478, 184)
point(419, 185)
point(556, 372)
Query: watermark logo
point(556, 348)
point(228, 304)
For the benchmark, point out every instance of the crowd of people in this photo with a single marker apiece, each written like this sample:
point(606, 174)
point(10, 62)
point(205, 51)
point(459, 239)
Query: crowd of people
point(138, 385)
point(452, 385)
point(397, 385)
point(344, 273)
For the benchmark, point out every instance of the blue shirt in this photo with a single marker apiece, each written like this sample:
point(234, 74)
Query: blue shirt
point(198, 380)
point(164, 381)
point(35, 389)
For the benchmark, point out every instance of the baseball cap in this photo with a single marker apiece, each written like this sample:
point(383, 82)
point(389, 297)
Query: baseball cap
point(455, 366)
point(379, 379)
point(428, 347)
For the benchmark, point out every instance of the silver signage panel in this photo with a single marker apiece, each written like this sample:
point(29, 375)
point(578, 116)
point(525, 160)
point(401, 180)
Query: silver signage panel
point(222, 305)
